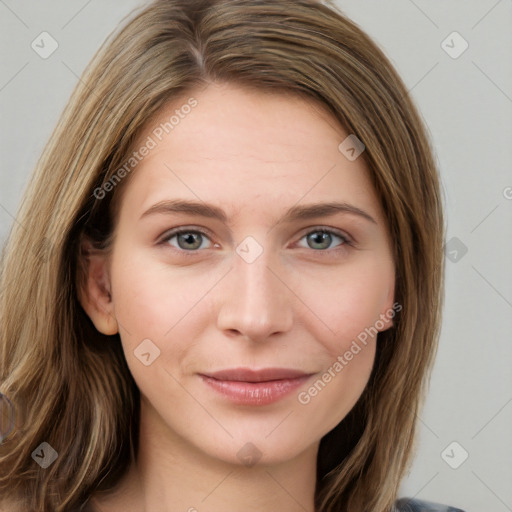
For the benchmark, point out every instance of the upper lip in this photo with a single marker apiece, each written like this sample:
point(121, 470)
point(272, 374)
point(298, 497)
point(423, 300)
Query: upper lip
point(262, 375)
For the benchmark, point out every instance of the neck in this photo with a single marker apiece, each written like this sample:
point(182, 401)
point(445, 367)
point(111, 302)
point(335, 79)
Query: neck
point(170, 475)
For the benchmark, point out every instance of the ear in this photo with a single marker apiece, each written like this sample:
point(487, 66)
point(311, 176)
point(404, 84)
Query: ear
point(94, 292)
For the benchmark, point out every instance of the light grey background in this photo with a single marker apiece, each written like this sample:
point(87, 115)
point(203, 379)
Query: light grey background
point(467, 105)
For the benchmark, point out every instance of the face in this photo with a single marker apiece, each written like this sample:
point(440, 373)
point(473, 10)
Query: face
point(250, 256)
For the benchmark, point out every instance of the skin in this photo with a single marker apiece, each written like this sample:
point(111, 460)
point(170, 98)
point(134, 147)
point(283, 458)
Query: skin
point(299, 304)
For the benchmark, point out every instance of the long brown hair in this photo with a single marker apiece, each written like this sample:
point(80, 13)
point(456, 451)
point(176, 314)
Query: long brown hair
point(69, 384)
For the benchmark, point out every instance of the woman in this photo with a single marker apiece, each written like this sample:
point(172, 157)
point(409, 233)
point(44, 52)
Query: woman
point(232, 279)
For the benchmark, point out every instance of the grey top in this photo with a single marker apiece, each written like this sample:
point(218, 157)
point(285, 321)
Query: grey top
point(413, 505)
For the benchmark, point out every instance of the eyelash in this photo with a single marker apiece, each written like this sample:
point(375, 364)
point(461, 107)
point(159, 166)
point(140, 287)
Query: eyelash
point(346, 241)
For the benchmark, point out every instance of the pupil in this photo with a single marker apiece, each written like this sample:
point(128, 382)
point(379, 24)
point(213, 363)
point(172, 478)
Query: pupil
point(321, 238)
point(190, 239)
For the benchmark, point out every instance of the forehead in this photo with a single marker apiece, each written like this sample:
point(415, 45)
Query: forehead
point(246, 149)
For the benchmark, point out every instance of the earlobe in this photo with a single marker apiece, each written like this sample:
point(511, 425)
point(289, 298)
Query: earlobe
point(95, 292)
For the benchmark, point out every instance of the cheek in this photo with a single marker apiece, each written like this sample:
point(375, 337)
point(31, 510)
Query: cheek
point(163, 305)
point(152, 299)
point(347, 303)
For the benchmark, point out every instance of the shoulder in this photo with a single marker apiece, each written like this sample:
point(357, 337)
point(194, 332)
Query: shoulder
point(413, 505)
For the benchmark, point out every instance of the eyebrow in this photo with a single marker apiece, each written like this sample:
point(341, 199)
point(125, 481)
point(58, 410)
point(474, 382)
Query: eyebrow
point(293, 214)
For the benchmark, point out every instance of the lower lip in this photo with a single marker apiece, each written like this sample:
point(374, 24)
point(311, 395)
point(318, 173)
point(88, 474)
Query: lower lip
point(255, 393)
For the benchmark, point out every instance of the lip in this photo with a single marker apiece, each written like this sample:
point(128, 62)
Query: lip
point(245, 386)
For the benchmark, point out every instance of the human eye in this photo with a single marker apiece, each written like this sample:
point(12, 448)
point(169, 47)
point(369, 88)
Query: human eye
point(321, 239)
point(186, 239)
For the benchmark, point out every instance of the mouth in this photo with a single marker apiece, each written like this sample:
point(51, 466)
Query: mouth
point(245, 386)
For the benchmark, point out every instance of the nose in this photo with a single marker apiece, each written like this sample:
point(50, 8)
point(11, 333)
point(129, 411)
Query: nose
point(255, 301)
